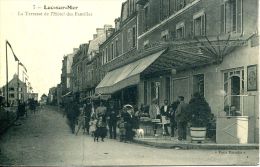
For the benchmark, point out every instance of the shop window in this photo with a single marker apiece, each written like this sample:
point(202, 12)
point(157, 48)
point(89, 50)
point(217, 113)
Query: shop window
point(198, 84)
point(231, 16)
point(180, 30)
point(199, 24)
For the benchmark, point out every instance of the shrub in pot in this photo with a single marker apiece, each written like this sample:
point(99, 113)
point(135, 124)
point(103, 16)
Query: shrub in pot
point(199, 115)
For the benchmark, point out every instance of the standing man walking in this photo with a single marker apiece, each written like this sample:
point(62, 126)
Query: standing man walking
point(166, 113)
point(112, 119)
point(173, 123)
point(181, 118)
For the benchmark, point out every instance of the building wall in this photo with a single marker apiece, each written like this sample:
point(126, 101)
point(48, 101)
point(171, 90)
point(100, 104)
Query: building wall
point(212, 10)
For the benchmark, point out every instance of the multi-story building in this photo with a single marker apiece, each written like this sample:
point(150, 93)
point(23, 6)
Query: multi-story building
point(15, 93)
point(52, 96)
point(66, 75)
point(183, 47)
point(117, 51)
point(89, 74)
point(77, 71)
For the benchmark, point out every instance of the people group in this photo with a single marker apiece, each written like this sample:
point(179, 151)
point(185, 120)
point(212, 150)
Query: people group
point(175, 115)
point(105, 118)
point(102, 117)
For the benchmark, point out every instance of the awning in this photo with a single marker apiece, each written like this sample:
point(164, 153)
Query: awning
point(127, 75)
point(197, 52)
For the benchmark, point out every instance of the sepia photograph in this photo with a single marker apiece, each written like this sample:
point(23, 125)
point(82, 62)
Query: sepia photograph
point(129, 83)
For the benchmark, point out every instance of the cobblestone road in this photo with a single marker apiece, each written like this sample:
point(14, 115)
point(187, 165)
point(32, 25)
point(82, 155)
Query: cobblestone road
point(45, 139)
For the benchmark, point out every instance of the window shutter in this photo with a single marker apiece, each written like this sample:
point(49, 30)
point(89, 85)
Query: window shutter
point(222, 18)
point(239, 16)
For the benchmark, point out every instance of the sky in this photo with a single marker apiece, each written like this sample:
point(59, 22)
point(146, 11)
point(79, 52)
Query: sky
point(41, 41)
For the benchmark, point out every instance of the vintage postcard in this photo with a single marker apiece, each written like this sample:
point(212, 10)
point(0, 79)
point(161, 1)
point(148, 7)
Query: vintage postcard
point(129, 82)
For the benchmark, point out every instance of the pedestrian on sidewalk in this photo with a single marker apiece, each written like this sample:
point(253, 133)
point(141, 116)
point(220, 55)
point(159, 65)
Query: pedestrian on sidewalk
point(73, 112)
point(181, 118)
point(81, 121)
point(101, 121)
point(112, 119)
point(87, 114)
point(173, 123)
point(154, 112)
point(121, 125)
point(92, 126)
point(129, 122)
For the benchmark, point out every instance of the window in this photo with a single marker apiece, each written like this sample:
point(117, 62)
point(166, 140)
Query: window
point(116, 48)
point(164, 9)
point(112, 51)
point(198, 84)
point(134, 36)
point(11, 89)
point(233, 87)
point(231, 16)
point(146, 18)
point(165, 35)
point(11, 95)
point(199, 24)
point(179, 4)
point(106, 57)
point(180, 30)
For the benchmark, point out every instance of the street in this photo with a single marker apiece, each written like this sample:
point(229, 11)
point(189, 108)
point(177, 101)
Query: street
point(45, 139)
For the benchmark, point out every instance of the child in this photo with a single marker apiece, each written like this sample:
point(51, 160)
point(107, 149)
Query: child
point(92, 126)
point(121, 126)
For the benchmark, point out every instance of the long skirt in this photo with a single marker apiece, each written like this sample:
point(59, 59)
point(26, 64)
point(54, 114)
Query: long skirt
point(101, 131)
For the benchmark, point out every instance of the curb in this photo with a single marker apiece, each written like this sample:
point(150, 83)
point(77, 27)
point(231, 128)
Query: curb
point(198, 146)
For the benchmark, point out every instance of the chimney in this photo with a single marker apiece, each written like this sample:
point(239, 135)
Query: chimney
point(109, 32)
point(107, 26)
point(117, 23)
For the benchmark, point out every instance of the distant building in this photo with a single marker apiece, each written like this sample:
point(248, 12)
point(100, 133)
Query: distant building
point(66, 75)
point(90, 74)
point(52, 96)
point(13, 94)
point(33, 96)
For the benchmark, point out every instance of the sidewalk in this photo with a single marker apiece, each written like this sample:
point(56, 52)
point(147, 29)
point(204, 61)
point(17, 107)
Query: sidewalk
point(172, 143)
point(7, 121)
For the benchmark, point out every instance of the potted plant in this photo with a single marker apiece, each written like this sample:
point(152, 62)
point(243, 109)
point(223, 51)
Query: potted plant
point(199, 115)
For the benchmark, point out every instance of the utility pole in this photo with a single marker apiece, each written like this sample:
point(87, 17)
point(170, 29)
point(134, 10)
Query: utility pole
point(7, 86)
